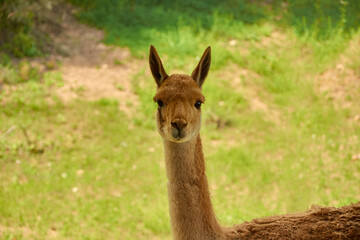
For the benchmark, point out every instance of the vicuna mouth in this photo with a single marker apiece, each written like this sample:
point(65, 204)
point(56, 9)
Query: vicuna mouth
point(178, 134)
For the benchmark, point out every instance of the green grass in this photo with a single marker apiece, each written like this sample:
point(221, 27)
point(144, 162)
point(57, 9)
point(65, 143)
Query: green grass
point(84, 174)
point(273, 142)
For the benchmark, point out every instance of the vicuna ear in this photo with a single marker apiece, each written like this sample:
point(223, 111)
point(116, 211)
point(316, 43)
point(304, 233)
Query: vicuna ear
point(202, 69)
point(156, 67)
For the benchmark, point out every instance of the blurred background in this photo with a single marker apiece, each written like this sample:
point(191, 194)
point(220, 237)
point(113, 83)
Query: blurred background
point(80, 156)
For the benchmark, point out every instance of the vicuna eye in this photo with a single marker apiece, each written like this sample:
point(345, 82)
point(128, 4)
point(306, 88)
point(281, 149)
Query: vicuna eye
point(160, 103)
point(198, 104)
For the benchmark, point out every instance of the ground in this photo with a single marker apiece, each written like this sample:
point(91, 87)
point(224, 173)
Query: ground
point(90, 69)
point(79, 147)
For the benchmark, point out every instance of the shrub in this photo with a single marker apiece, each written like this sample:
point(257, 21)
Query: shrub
point(17, 21)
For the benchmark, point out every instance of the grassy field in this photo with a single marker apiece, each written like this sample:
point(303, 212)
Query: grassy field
point(281, 122)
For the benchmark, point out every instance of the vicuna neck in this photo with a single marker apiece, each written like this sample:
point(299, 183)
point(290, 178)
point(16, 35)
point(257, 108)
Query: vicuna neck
point(191, 212)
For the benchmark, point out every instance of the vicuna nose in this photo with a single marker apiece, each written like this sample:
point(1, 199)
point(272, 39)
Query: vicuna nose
point(179, 123)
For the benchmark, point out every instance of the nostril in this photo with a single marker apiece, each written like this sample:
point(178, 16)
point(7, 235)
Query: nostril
point(174, 124)
point(179, 123)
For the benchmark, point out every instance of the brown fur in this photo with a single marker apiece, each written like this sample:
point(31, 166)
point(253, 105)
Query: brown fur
point(191, 212)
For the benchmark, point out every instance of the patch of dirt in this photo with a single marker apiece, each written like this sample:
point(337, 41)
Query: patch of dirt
point(341, 85)
point(90, 69)
point(276, 38)
point(243, 81)
point(26, 232)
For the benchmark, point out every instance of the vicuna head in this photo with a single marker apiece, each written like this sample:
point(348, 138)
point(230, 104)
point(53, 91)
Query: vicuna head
point(179, 98)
